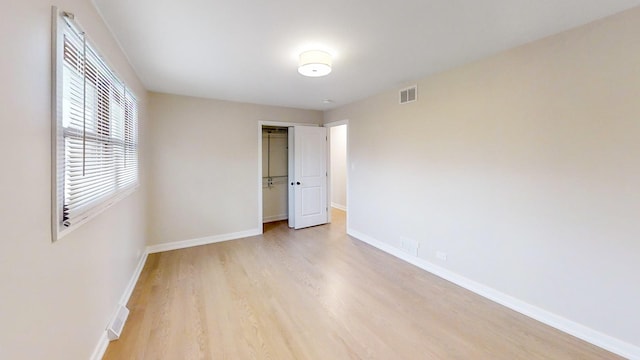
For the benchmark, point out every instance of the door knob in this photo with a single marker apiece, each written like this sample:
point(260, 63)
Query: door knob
point(298, 183)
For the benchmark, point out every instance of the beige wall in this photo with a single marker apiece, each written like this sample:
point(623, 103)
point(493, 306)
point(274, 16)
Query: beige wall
point(523, 167)
point(204, 165)
point(55, 298)
point(339, 165)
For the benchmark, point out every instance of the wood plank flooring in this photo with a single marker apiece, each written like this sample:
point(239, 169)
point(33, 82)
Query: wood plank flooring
point(319, 294)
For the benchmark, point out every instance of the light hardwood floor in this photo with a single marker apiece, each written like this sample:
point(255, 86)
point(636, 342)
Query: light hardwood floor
point(319, 294)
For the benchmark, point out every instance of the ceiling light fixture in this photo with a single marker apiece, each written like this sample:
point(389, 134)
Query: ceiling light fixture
point(314, 63)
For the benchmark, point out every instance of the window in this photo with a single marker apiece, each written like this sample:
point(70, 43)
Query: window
point(96, 133)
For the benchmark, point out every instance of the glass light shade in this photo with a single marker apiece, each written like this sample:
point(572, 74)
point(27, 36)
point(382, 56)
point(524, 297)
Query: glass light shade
point(314, 63)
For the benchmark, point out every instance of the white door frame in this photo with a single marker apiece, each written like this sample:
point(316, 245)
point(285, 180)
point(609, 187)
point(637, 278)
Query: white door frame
point(329, 190)
point(260, 125)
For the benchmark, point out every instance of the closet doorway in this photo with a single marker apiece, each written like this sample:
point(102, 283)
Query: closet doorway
point(275, 173)
point(293, 174)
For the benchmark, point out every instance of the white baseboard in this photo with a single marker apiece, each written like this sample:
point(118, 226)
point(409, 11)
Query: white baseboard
point(201, 241)
point(101, 347)
point(570, 327)
point(134, 279)
point(273, 218)
point(338, 206)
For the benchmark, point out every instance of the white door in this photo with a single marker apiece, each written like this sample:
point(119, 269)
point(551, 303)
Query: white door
point(309, 182)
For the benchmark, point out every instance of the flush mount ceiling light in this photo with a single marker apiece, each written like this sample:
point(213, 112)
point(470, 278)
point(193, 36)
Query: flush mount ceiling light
point(314, 63)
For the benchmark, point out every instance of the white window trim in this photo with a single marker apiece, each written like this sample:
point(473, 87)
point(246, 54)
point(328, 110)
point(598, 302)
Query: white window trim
point(58, 230)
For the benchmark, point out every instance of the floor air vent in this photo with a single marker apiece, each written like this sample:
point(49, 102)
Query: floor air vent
point(115, 327)
point(409, 94)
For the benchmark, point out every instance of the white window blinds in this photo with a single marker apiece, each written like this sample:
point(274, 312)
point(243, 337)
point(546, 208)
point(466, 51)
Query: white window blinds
point(97, 131)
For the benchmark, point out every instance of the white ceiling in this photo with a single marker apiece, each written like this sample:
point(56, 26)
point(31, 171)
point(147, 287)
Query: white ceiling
point(246, 50)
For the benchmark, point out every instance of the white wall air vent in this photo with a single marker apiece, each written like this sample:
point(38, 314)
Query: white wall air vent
point(117, 324)
point(409, 94)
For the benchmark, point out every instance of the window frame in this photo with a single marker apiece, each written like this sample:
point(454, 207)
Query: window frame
point(62, 22)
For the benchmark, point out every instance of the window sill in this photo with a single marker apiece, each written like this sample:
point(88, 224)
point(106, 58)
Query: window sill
point(64, 231)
